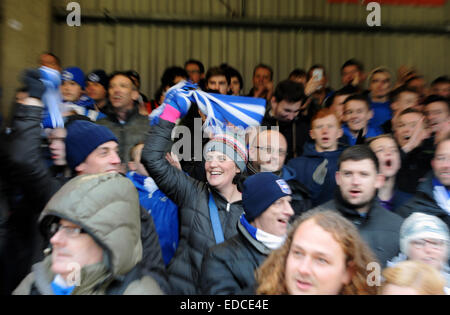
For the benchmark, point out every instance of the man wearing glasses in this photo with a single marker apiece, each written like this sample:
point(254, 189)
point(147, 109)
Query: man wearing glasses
point(267, 153)
point(93, 223)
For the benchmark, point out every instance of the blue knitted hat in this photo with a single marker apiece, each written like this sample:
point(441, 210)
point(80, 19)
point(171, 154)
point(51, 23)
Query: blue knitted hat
point(83, 137)
point(74, 74)
point(261, 191)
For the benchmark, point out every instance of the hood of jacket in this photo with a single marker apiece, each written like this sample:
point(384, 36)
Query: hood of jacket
point(288, 173)
point(106, 206)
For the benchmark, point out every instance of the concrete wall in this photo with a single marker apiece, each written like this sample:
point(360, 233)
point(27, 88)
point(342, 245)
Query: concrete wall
point(24, 35)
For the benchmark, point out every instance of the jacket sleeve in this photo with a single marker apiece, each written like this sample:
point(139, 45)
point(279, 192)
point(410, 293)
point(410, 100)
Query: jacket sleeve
point(151, 251)
point(216, 277)
point(178, 186)
point(26, 166)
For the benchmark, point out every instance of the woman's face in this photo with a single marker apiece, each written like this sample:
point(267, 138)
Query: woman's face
point(220, 169)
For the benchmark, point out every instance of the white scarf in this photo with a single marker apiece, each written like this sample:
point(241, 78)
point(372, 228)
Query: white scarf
point(269, 240)
point(441, 196)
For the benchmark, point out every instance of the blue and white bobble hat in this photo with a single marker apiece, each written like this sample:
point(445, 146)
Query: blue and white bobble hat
point(422, 226)
point(74, 74)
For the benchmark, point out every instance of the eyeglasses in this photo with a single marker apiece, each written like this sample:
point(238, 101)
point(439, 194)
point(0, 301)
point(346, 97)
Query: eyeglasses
point(435, 244)
point(68, 231)
point(270, 150)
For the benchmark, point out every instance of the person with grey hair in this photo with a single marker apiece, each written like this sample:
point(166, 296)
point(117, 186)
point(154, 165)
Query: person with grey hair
point(425, 238)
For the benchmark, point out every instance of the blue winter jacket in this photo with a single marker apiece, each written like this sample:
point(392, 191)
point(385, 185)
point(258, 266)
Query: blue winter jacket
point(163, 211)
point(350, 139)
point(306, 165)
point(382, 112)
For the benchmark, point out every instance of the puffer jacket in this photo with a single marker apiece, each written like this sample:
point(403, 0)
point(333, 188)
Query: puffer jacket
point(130, 133)
point(191, 196)
point(229, 268)
point(107, 207)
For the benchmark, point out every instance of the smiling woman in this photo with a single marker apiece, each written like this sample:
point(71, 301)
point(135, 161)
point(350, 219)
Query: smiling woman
point(199, 203)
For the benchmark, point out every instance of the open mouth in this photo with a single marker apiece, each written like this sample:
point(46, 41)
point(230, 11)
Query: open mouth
point(283, 221)
point(355, 192)
point(215, 173)
point(388, 163)
point(303, 285)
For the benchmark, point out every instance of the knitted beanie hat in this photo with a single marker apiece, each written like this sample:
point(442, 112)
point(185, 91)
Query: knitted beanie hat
point(98, 76)
point(74, 74)
point(83, 137)
point(422, 226)
point(232, 145)
point(261, 191)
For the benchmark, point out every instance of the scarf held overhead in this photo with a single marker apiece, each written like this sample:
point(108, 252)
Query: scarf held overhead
point(220, 110)
point(52, 99)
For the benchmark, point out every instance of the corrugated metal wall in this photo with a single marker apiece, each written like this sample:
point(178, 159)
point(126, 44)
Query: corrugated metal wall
point(150, 48)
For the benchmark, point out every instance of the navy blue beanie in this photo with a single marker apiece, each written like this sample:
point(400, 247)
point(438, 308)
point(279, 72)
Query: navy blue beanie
point(83, 137)
point(261, 191)
point(98, 76)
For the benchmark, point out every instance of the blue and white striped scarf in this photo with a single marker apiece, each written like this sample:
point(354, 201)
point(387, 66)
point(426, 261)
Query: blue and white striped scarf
point(270, 241)
point(219, 109)
point(52, 98)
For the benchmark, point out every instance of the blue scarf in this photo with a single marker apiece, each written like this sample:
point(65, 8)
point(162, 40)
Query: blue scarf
point(51, 98)
point(270, 241)
point(60, 287)
point(219, 109)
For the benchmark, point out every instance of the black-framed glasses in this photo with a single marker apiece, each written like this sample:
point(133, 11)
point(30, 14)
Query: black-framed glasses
point(68, 231)
point(270, 150)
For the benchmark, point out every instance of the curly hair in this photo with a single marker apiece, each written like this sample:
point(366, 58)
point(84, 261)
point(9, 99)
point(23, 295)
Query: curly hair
point(414, 274)
point(270, 276)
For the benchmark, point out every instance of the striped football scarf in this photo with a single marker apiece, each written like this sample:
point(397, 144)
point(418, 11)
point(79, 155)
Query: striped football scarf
point(220, 110)
point(52, 99)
